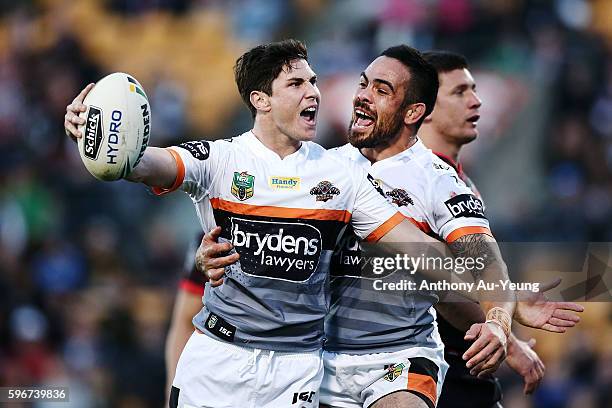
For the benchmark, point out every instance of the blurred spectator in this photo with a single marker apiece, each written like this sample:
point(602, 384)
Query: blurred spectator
point(88, 269)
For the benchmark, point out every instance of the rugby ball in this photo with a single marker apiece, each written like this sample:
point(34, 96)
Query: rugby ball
point(117, 127)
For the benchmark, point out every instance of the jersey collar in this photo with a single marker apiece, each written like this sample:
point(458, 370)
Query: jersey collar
point(454, 164)
point(260, 150)
point(416, 149)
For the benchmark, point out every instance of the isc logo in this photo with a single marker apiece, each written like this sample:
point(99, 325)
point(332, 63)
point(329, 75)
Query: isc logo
point(305, 396)
point(225, 331)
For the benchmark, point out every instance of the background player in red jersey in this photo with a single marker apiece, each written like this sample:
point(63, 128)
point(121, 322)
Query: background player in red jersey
point(188, 302)
point(451, 125)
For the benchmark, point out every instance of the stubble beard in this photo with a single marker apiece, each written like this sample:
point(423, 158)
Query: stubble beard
point(381, 134)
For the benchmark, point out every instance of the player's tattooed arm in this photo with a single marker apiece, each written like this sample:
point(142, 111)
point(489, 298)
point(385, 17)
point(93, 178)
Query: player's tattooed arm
point(478, 246)
point(481, 253)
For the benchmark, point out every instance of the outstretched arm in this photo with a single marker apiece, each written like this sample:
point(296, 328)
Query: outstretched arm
point(157, 168)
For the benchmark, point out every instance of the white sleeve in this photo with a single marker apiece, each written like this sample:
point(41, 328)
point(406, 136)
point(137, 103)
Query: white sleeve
point(456, 210)
point(373, 216)
point(197, 163)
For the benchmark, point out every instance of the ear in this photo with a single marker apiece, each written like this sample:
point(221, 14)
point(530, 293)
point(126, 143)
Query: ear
point(260, 100)
point(414, 113)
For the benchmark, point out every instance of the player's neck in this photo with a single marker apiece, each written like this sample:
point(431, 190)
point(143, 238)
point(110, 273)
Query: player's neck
point(440, 145)
point(275, 140)
point(397, 145)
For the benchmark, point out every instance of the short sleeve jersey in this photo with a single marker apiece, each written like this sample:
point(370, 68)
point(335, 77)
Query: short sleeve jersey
point(429, 192)
point(284, 217)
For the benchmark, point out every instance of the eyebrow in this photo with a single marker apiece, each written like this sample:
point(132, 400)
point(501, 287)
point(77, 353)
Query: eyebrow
point(378, 80)
point(464, 86)
point(300, 79)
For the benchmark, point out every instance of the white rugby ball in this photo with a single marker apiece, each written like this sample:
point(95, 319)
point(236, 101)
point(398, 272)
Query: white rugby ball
point(117, 127)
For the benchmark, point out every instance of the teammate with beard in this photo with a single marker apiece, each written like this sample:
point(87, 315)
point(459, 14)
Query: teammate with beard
point(259, 336)
point(382, 347)
point(452, 124)
point(393, 346)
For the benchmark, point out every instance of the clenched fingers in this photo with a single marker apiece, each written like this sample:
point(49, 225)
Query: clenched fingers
point(492, 364)
point(533, 378)
point(220, 261)
point(72, 119)
point(215, 276)
point(484, 354)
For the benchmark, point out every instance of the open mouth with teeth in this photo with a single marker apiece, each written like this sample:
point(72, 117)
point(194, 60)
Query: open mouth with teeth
point(309, 115)
point(473, 119)
point(363, 119)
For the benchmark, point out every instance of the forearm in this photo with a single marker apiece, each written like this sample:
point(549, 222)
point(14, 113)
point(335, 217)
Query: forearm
point(460, 313)
point(406, 239)
point(492, 269)
point(157, 168)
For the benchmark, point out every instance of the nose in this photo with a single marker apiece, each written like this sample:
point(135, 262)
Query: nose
point(363, 95)
point(475, 101)
point(312, 92)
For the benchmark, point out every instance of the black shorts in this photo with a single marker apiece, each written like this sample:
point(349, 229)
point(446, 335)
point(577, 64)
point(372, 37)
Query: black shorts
point(463, 390)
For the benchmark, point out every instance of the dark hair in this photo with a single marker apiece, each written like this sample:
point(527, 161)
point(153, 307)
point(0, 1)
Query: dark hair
point(445, 61)
point(257, 68)
point(423, 85)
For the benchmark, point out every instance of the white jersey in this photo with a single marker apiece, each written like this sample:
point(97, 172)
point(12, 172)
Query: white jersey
point(284, 217)
point(429, 192)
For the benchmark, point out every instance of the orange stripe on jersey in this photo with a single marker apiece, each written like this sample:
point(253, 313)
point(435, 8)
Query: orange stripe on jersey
point(191, 287)
point(423, 384)
point(281, 212)
point(180, 175)
point(385, 227)
point(461, 232)
point(423, 226)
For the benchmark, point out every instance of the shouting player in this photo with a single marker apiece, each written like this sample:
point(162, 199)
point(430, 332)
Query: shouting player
point(377, 338)
point(282, 201)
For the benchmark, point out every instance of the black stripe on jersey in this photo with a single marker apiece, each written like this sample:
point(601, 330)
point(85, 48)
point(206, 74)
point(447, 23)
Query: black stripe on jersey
point(329, 229)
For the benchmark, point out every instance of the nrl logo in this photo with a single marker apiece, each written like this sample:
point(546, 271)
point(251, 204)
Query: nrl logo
point(399, 197)
point(212, 322)
point(393, 371)
point(324, 191)
point(243, 185)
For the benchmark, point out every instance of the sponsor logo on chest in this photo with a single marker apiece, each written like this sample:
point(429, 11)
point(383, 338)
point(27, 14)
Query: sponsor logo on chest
point(279, 250)
point(284, 183)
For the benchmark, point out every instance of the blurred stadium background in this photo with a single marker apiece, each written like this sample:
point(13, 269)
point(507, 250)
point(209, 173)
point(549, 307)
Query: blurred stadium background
point(89, 269)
